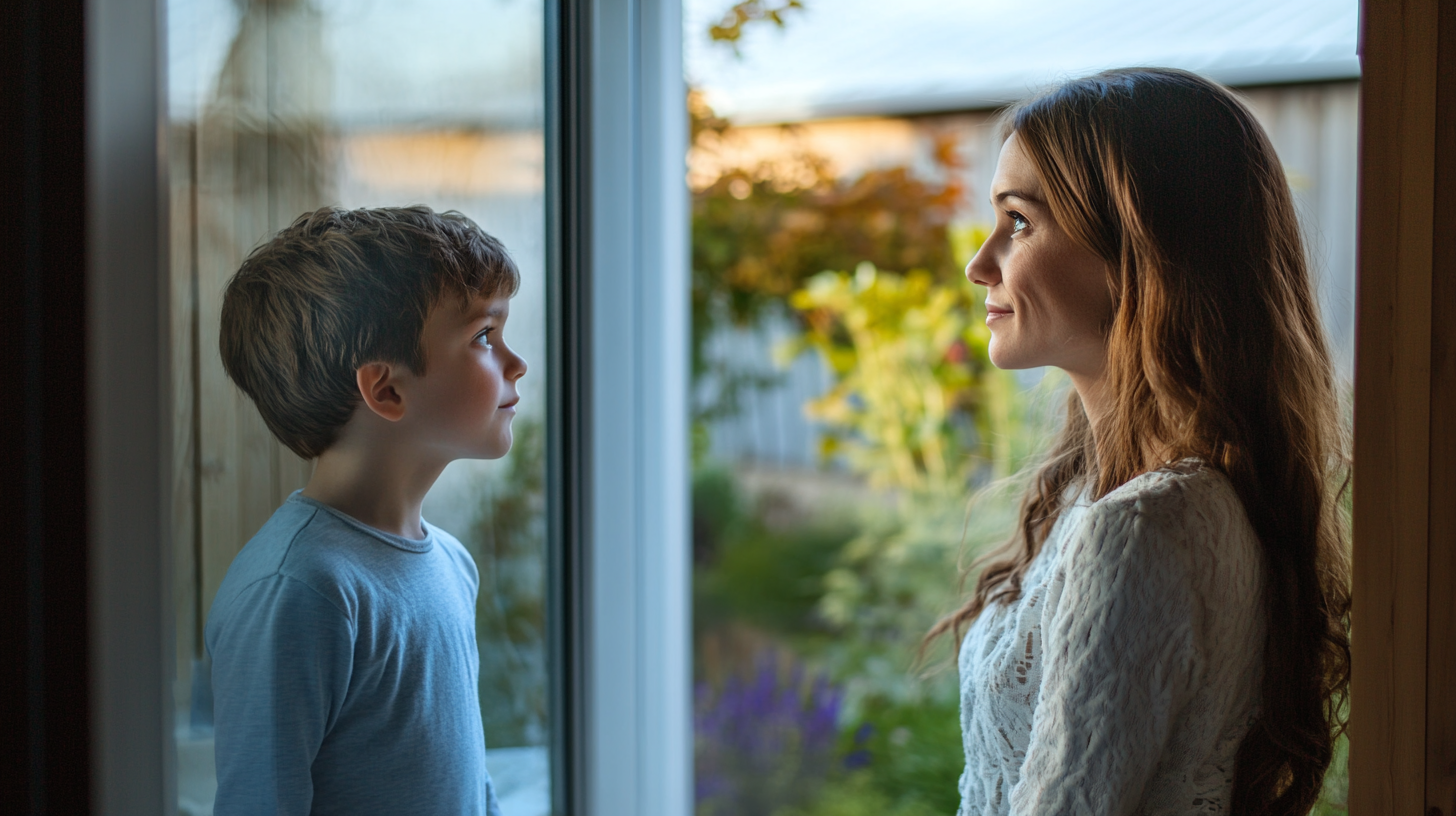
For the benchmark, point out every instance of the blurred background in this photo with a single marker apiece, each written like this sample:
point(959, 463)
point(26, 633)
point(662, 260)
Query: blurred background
point(853, 448)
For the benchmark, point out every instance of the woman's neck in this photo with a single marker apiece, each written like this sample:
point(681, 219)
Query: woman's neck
point(1099, 402)
point(1097, 399)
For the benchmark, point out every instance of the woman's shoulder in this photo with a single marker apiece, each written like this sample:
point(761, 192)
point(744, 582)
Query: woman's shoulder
point(1170, 532)
point(1189, 503)
point(1188, 491)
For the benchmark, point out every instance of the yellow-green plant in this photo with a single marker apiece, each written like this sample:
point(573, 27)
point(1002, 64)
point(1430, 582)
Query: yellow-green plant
point(915, 407)
point(916, 404)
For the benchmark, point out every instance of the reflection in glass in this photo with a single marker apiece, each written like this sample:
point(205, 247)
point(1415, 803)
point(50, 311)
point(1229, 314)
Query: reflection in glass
point(277, 107)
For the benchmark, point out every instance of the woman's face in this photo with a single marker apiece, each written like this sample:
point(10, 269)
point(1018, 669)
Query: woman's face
point(1047, 297)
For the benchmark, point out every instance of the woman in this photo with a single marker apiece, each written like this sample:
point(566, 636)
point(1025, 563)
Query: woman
point(1165, 632)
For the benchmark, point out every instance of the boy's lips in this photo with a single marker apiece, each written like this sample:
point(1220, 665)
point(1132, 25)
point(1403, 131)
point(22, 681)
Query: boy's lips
point(511, 404)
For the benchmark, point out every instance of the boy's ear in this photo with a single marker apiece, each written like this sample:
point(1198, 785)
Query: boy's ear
point(376, 385)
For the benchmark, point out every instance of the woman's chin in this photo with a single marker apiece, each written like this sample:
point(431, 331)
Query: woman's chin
point(1006, 359)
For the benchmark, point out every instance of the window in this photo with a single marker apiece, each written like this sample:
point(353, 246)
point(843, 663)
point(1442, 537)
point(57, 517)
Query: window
point(277, 108)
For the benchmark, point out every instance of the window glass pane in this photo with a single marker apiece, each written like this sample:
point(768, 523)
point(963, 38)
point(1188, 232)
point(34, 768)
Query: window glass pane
point(849, 429)
point(277, 107)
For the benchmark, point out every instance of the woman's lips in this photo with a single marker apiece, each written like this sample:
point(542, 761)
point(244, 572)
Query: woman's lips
point(994, 313)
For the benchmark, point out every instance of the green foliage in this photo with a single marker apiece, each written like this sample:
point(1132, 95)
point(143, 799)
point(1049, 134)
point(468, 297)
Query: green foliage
point(861, 794)
point(729, 29)
point(508, 541)
point(718, 512)
point(894, 581)
point(851, 593)
point(760, 232)
point(1334, 796)
point(916, 404)
point(751, 574)
point(917, 409)
point(914, 752)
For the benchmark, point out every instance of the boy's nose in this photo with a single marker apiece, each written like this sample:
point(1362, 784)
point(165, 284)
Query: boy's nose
point(517, 368)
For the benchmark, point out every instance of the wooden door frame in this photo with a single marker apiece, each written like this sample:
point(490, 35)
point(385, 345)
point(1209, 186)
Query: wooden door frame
point(1403, 718)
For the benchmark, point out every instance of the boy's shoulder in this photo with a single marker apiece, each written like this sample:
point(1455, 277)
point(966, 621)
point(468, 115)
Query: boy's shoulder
point(296, 544)
point(337, 557)
point(459, 555)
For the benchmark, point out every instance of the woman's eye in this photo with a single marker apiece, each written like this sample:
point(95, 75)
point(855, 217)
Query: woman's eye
point(1018, 223)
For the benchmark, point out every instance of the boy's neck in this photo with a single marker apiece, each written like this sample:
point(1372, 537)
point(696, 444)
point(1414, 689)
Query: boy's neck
point(381, 487)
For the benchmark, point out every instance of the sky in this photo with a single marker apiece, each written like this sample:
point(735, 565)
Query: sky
point(848, 57)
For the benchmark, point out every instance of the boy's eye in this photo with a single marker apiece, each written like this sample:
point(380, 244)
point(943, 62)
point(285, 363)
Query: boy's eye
point(484, 338)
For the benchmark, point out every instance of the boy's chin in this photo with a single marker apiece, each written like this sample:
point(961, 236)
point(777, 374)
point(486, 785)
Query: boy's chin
point(494, 443)
point(496, 448)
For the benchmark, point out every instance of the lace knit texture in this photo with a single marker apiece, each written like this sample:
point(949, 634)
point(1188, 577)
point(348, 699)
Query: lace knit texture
point(1124, 678)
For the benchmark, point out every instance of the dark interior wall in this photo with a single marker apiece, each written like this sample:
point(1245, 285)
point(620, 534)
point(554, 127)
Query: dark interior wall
point(43, 442)
point(1441, 612)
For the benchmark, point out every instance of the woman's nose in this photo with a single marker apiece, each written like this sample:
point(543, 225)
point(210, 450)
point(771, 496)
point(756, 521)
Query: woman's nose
point(983, 270)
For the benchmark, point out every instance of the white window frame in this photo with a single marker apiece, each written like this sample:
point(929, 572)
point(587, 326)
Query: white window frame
point(619, 384)
point(638, 718)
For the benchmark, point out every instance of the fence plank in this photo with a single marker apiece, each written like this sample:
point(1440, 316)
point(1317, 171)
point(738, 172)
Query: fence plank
point(217, 403)
point(183, 316)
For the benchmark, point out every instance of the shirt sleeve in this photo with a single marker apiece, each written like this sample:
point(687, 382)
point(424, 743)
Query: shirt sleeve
point(280, 669)
point(1119, 665)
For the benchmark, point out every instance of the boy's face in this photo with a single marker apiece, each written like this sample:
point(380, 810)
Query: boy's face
point(463, 405)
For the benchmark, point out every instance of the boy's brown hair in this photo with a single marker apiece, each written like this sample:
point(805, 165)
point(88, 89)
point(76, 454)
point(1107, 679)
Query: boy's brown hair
point(341, 288)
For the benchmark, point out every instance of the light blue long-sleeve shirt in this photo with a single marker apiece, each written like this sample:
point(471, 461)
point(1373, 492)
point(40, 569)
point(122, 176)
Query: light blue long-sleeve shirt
point(344, 672)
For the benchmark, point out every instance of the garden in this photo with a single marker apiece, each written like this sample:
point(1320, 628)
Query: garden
point(813, 695)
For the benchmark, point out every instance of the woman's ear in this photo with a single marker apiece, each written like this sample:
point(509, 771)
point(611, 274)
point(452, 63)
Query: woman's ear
point(377, 387)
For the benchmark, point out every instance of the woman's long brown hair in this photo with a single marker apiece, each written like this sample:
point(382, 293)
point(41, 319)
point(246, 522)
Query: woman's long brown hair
point(1215, 351)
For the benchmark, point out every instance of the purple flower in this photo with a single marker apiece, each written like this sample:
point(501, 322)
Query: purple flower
point(764, 741)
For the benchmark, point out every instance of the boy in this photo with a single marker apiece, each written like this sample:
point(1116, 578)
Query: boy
point(344, 660)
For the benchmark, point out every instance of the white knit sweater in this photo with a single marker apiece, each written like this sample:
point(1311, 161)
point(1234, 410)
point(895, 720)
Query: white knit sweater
point(1125, 676)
